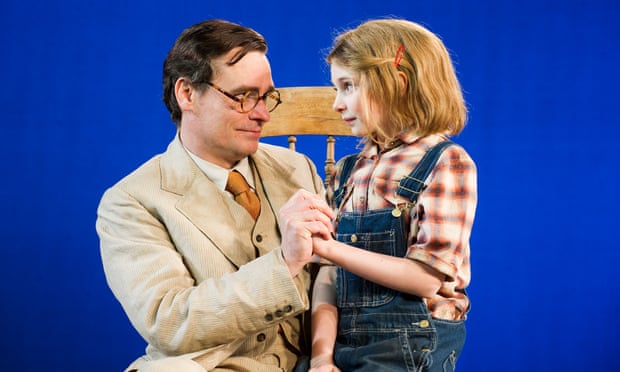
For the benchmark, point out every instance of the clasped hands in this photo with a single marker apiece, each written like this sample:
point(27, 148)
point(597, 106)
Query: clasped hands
point(306, 221)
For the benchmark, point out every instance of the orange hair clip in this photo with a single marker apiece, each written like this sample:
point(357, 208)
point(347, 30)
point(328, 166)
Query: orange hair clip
point(399, 56)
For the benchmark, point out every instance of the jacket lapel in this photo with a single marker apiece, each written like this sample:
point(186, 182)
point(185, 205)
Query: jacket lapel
point(206, 206)
point(271, 173)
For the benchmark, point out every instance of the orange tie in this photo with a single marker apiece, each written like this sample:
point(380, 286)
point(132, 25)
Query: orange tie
point(243, 195)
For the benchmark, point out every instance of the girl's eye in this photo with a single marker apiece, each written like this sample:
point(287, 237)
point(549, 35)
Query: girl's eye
point(346, 87)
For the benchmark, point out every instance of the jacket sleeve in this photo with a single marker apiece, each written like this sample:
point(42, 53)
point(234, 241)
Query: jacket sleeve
point(170, 310)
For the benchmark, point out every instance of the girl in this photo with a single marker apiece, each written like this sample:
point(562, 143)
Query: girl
point(394, 298)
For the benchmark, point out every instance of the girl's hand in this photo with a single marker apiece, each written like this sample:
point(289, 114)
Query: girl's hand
point(321, 246)
point(323, 363)
point(325, 368)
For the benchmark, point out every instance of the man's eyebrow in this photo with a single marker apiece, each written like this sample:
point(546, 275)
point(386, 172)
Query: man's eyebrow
point(246, 88)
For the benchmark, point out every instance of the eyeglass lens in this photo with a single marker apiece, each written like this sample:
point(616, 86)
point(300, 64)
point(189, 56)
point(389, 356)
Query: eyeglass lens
point(250, 101)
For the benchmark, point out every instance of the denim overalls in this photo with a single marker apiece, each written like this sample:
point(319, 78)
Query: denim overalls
point(381, 329)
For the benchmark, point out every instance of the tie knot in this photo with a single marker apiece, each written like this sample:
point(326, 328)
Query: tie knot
point(236, 183)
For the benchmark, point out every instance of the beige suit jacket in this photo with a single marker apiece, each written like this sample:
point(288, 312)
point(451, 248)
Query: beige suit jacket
point(196, 277)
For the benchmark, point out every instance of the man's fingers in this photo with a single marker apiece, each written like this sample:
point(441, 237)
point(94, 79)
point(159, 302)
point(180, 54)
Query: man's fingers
point(305, 200)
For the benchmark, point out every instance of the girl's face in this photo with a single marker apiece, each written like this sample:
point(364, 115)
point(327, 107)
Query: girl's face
point(348, 103)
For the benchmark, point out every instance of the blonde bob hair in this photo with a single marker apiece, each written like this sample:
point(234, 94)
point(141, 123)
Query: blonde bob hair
point(406, 78)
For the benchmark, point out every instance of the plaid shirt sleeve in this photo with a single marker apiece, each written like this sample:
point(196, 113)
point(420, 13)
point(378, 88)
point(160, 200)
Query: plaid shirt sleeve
point(445, 215)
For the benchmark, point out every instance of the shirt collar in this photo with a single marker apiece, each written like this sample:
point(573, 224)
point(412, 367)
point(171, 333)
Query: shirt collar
point(407, 138)
point(219, 175)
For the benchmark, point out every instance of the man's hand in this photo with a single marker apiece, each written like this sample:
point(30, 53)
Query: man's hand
point(303, 217)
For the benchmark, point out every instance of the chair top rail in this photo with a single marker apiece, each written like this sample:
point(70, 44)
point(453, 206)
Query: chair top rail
point(306, 111)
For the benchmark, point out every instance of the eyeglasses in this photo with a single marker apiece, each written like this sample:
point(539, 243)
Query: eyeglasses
point(248, 100)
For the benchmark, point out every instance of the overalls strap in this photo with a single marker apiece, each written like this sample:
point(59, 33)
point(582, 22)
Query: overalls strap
point(347, 166)
point(412, 185)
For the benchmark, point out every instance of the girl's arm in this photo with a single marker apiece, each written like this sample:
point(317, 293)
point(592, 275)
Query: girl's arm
point(391, 272)
point(324, 320)
point(449, 206)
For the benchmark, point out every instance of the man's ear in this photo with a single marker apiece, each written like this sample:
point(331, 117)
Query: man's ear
point(185, 94)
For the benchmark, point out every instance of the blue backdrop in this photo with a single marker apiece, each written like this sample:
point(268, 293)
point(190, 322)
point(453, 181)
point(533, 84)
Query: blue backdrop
point(81, 108)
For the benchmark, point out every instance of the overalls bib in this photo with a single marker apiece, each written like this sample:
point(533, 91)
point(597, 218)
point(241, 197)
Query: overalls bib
point(381, 329)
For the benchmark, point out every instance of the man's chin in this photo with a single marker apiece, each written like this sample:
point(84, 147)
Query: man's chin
point(250, 149)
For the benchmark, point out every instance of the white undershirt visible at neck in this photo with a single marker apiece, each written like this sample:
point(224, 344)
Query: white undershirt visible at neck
point(219, 175)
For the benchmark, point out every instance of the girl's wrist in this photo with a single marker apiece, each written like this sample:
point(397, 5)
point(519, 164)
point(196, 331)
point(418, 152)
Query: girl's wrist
point(321, 359)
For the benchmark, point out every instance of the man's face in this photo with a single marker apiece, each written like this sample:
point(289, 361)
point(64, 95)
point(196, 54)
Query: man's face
point(212, 128)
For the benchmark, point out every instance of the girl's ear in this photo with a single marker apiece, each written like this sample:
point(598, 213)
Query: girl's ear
point(403, 83)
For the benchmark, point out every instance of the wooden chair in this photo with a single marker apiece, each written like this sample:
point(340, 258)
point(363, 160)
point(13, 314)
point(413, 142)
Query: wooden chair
point(308, 111)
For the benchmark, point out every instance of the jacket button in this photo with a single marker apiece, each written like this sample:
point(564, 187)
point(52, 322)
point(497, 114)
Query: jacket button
point(259, 238)
point(288, 309)
point(279, 313)
point(261, 337)
point(269, 317)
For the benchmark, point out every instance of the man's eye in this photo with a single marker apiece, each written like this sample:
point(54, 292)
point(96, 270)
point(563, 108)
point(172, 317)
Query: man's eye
point(250, 94)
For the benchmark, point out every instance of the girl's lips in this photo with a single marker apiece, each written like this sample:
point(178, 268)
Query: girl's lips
point(349, 121)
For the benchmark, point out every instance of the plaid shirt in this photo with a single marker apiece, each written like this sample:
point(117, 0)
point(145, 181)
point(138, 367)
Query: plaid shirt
point(440, 223)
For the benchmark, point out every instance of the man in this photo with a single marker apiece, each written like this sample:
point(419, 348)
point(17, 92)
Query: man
point(209, 284)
